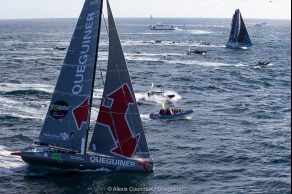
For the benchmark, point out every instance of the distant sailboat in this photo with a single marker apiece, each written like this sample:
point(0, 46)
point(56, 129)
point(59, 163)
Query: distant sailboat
point(239, 37)
point(118, 141)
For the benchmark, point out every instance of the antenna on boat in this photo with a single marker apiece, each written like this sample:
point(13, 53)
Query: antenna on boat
point(152, 86)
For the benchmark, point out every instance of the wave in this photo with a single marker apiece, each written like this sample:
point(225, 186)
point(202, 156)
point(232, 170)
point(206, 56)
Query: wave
point(151, 57)
point(27, 92)
point(159, 42)
point(27, 110)
point(10, 88)
point(154, 54)
point(200, 32)
point(169, 43)
point(145, 117)
point(8, 49)
point(8, 163)
point(141, 59)
point(157, 98)
point(207, 64)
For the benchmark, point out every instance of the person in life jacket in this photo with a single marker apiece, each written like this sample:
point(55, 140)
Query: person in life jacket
point(168, 111)
point(162, 112)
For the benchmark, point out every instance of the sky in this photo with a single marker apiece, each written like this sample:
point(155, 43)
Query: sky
point(263, 9)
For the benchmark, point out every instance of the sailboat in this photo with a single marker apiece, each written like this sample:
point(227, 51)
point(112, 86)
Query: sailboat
point(239, 37)
point(118, 141)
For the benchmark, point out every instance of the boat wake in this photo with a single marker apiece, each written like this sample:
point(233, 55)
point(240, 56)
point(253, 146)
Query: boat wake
point(26, 110)
point(9, 88)
point(158, 98)
point(206, 64)
point(9, 164)
point(200, 32)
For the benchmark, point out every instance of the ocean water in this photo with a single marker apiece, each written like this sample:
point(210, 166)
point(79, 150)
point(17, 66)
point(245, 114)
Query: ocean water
point(237, 141)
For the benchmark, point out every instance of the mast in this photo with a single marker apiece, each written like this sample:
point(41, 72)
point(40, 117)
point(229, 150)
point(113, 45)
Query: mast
point(94, 75)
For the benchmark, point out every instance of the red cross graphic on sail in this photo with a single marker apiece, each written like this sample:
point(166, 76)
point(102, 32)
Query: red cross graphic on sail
point(115, 118)
point(81, 113)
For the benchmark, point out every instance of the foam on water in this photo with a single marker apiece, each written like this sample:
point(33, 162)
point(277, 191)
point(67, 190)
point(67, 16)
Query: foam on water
point(200, 32)
point(8, 87)
point(203, 63)
point(9, 163)
point(19, 109)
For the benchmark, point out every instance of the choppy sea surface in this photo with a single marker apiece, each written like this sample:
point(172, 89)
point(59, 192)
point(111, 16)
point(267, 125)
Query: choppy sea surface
point(237, 141)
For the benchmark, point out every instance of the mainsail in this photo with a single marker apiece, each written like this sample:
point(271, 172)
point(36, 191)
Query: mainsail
point(67, 122)
point(118, 131)
point(238, 35)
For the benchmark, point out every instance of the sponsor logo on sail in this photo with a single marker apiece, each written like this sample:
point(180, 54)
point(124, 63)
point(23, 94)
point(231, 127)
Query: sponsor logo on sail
point(83, 58)
point(62, 136)
point(126, 142)
point(112, 161)
point(81, 114)
point(59, 109)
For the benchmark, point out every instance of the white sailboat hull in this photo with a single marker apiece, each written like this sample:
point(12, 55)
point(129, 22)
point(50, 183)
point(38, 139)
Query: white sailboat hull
point(87, 162)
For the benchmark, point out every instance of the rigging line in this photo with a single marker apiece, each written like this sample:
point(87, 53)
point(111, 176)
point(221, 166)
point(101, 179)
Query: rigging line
point(100, 70)
point(105, 24)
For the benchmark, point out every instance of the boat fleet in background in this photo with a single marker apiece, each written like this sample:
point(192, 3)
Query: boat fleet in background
point(238, 39)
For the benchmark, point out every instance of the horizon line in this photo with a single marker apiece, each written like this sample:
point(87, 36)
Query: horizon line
point(146, 18)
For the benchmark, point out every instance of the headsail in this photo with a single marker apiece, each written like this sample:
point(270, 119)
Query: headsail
point(118, 131)
point(243, 36)
point(67, 121)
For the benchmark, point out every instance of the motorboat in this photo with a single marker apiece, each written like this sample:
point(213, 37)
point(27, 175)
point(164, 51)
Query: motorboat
point(171, 114)
point(60, 48)
point(163, 27)
point(197, 51)
point(263, 63)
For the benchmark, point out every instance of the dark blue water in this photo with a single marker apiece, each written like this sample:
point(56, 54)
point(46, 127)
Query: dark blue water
point(238, 140)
